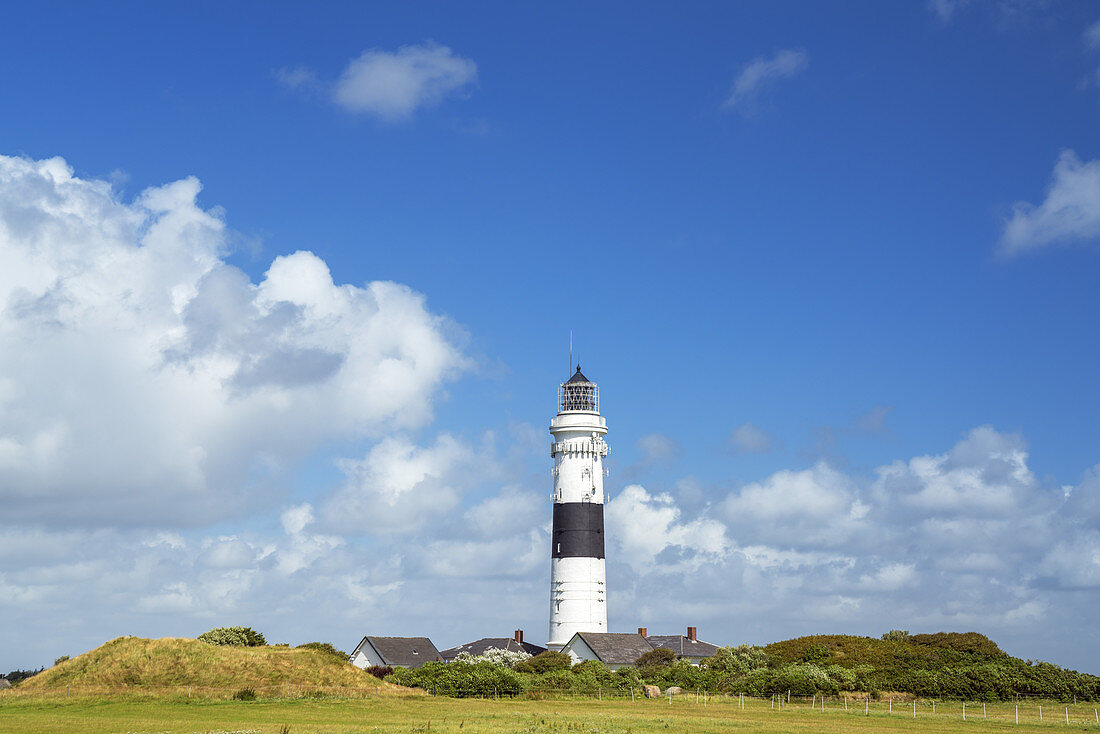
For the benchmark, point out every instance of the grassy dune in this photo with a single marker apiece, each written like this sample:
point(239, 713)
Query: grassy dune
point(174, 664)
point(396, 711)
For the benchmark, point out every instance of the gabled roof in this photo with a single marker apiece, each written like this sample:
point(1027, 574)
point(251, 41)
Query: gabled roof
point(477, 647)
point(578, 377)
point(406, 652)
point(683, 646)
point(616, 648)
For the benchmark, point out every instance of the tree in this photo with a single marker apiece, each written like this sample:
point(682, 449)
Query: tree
point(660, 657)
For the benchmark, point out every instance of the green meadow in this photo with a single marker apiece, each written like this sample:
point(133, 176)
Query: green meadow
point(397, 711)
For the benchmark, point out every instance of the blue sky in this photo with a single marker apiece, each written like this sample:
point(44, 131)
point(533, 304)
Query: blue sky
point(795, 243)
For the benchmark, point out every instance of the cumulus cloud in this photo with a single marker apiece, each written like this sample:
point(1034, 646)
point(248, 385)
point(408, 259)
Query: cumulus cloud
point(763, 72)
point(145, 380)
point(392, 85)
point(750, 439)
point(1069, 213)
point(645, 526)
point(399, 486)
point(946, 9)
point(986, 474)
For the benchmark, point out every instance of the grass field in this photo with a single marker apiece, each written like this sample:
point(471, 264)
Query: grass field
point(398, 711)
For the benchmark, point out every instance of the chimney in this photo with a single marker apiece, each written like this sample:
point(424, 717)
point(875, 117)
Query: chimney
point(691, 634)
point(643, 632)
point(519, 636)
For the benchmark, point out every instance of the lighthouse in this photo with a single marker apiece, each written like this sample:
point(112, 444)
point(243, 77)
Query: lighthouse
point(578, 592)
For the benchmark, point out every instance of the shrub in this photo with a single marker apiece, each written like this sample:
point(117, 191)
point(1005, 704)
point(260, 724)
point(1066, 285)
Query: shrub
point(460, 679)
point(242, 636)
point(815, 653)
point(737, 660)
point(660, 657)
point(324, 647)
point(901, 635)
point(245, 694)
point(60, 660)
point(380, 671)
point(495, 656)
point(545, 662)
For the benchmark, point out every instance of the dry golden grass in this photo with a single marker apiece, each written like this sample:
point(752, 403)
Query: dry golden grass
point(133, 664)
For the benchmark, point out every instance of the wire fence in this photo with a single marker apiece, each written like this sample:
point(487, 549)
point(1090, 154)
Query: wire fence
point(1025, 710)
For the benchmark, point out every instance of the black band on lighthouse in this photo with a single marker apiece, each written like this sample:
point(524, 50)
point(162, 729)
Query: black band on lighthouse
point(578, 530)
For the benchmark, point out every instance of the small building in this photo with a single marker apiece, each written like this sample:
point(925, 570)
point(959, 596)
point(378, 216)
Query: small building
point(613, 649)
point(687, 647)
point(514, 643)
point(397, 652)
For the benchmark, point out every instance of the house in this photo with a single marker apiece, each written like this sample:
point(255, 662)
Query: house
point(398, 652)
point(613, 649)
point(514, 643)
point(687, 647)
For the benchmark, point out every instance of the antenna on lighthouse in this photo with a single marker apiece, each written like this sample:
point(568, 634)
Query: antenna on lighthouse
point(570, 353)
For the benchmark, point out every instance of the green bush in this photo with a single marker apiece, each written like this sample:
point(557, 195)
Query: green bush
point(245, 694)
point(241, 636)
point(60, 660)
point(545, 662)
point(460, 679)
point(660, 657)
point(324, 647)
point(896, 635)
point(737, 660)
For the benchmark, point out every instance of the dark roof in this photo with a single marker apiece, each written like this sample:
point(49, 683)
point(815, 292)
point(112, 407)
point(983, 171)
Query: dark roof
point(616, 648)
point(478, 647)
point(578, 377)
point(407, 652)
point(683, 646)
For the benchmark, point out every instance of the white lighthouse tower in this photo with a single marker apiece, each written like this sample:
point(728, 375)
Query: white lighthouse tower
point(578, 592)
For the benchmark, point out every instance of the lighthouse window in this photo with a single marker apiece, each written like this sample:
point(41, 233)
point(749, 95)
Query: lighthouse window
point(559, 547)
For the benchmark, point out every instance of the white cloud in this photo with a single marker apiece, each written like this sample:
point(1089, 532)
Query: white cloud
point(1070, 212)
point(1092, 35)
point(146, 380)
point(816, 507)
point(750, 439)
point(399, 486)
point(657, 447)
point(394, 84)
point(985, 475)
point(644, 526)
point(946, 9)
point(762, 72)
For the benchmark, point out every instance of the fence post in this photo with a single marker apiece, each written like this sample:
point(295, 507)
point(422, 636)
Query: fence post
point(1067, 715)
point(788, 695)
point(670, 696)
point(1040, 712)
point(983, 711)
point(933, 705)
point(867, 705)
point(189, 691)
point(599, 694)
point(964, 710)
point(704, 698)
point(1017, 713)
point(66, 691)
point(845, 703)
point(632, 694)
point(914, 708)
point(891, 705)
